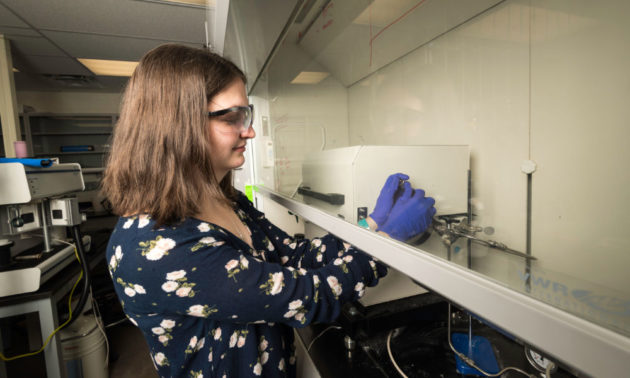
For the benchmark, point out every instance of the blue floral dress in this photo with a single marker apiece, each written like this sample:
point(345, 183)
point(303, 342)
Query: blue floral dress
point(211, 306)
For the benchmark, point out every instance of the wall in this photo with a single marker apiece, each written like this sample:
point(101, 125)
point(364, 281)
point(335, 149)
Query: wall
point(70, 102)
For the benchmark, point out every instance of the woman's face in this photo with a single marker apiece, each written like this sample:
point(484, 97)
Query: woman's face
point(227, 139)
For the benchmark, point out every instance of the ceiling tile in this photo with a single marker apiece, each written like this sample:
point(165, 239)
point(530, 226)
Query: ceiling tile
point(9, 32)
point(113, 83)
point(47, 35)
point(58, 65)
point(28, 82)
point(92, 46)
point(39, 46)
point(7, 18)
point(115, 17)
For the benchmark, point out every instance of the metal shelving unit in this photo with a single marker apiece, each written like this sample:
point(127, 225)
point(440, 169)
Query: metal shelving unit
point(48, 134)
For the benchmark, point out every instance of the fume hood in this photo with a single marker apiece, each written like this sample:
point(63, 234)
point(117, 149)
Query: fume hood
point(539, 249)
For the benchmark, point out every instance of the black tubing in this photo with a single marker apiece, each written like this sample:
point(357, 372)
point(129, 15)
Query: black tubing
point(78, 242)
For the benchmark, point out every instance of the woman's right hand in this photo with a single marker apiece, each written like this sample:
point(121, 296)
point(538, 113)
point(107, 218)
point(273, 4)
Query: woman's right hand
point(386, 199)
point(411, 214)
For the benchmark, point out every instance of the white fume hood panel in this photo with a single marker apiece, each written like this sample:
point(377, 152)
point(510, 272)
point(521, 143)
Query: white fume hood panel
point(358, 173)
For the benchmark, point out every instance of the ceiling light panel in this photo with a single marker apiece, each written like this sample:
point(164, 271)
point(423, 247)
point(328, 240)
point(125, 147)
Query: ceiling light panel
point(109, 67)
point(309, 77)
point(381, 13)
point(195, 3)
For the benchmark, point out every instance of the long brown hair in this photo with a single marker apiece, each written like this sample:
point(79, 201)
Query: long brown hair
point(160, 160)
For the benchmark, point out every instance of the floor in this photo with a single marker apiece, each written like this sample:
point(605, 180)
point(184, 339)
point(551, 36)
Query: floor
point(129, 354)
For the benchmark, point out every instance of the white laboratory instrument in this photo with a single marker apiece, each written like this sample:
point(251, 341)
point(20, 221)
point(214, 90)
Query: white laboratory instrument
point(347, 181)
point(31, 201)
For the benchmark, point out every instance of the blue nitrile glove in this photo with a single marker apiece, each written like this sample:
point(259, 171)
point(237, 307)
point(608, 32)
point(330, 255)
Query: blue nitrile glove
point(410, 216)
point(386, 198)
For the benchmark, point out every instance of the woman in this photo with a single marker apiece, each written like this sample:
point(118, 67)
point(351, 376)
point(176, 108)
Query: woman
point(212, 284)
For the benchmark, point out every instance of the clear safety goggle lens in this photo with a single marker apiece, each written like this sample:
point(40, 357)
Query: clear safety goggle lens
point(239, 118)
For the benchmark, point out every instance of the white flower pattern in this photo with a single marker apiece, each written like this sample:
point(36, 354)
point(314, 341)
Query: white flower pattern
point(155, 249)
point(241, 342)
point(128, 223)
point(143, 220)
point(160, 359)
point(169, 286)
point(155, 254)
point(158, 330)
point(278, 279)
point(258, 369)
point(176, 275)
point(207, 241)
point(201, 311)
point(203, 227)
point(139, 289)
point(114, 261)
point(334, 284)
point(167, 323)
point(360, 289)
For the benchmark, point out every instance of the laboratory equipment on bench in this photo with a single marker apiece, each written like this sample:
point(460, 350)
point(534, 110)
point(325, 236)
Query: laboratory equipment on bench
point(32, 201)
point(452, 227)
point(347, 181)
point(37, 211)
point(539, 361)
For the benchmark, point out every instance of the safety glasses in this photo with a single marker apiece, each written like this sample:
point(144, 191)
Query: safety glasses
point(236, 118)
